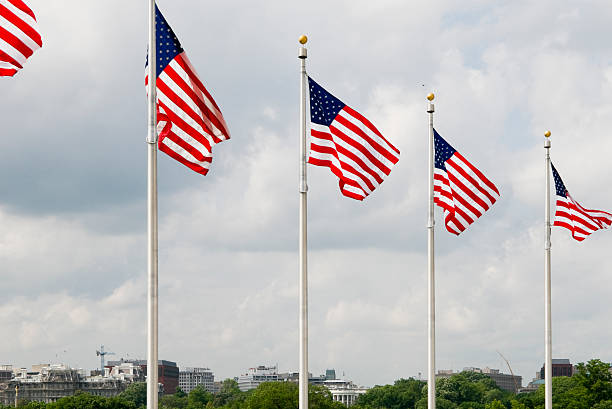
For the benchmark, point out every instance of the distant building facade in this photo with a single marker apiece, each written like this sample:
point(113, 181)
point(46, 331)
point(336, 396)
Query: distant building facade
point(343, 391)
point(256, 376)
point(6, 372)
point(294, 377)
point(560, 367)
point(167, 372)
point(189, 378)
point(507, 382)
point(53, 382)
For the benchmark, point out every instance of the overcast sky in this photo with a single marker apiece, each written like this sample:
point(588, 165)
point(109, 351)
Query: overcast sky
point(73, 188)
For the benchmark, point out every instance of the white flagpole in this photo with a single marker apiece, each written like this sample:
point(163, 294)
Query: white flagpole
point(547, 292)
point(152, 304)
point(303, 188)
point(431, 374)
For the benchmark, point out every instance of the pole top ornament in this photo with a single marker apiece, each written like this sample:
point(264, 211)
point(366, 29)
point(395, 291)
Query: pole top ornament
point(547, 134)
point(303, 39)
point(430, 96)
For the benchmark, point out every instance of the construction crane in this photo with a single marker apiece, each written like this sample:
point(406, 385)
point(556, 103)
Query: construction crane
point(516, 387)
point(102, 353)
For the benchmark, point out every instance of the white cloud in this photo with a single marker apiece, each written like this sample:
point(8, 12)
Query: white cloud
point(72, 245)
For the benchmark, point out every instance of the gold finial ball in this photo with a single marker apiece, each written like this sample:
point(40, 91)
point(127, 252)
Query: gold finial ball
point(303, 40)
point(430, 96)
point(547, 134)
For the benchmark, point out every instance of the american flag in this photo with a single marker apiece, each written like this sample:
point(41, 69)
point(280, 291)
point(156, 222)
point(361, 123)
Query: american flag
point(189, 122)
point(459, 188)
point(19, 36)
point(569, 214)
point(346, 142)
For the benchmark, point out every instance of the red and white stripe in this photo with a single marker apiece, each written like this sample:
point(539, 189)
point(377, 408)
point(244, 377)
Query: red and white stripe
point(580, 221)
point(463, 192)
point(189, 122)
point(354, 150)
point(19, 36)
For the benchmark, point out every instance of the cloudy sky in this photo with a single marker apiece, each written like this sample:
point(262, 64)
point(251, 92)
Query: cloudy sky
point(73, 188)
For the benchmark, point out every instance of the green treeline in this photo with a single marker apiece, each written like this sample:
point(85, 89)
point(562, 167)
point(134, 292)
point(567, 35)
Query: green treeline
point(589, 388)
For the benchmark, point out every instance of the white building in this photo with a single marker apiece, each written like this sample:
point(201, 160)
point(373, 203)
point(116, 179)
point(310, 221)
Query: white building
point(189, 378)
point(345, 392)
point(255, 376)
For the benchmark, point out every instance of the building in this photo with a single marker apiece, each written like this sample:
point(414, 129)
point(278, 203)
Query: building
point(167, 372)
point(295, 378)
point(217, 386)
point(560, 367)
point(189, 378)
point(256, 376)
point(343, 391)
point(53, 382)
point(507, 382)
point(126, 371)
point(6, 372)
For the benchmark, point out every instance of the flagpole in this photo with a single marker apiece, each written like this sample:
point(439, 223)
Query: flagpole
point(547, 291)
point(431, 377)
point(303, 189)
point(152, 250)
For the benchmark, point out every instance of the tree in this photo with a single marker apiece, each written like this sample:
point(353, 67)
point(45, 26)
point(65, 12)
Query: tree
point(136, 393)
point(441, 403)
point(595, 376)
point(471, 405)
point(230, 394)
point(517, 405)
point(496, 404)
point(29, 405)
point(273, 395)
point(198, 398)
point(179, 392)
point(87, 401)
point(493, 395)
point(173, 401)
point(604, 404)
point(404, 393)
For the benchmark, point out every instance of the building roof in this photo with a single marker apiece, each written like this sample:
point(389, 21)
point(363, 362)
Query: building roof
point(561, 361)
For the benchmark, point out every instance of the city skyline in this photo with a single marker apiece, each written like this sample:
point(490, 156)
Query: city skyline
point(73, 208)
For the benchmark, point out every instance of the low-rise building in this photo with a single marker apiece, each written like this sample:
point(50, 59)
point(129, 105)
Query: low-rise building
point(167, 372)
point(189, 378)
point(295, 378)
point(507, 382)
point(256, 376)
point(6, 372)
point(54, 382)
point(345, 392)
point(560, 367)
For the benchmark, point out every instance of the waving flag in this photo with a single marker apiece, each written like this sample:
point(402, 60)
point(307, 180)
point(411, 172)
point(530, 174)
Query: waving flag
point(346, 142)
point(569, 214)
point(19, 36)
point(189, 122)
point(459, 188)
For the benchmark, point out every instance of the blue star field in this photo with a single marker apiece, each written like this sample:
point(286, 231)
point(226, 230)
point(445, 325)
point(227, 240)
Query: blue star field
point(168, 46)
point(443, 151)
point(324, 107)
point(559, 185)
